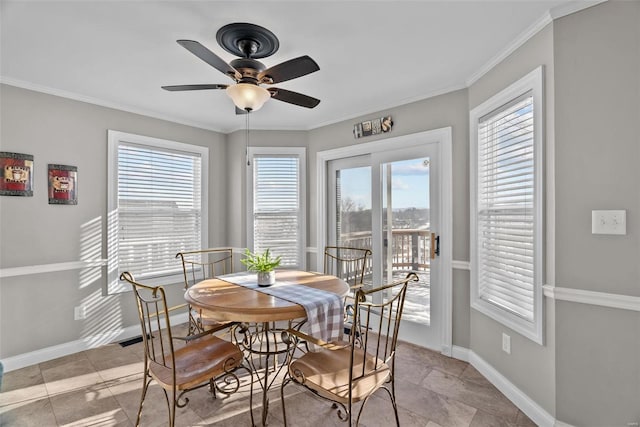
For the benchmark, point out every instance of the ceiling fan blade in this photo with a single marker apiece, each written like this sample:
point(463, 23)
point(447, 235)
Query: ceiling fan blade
point(210, 58)
point(288, 70)
point(293, 97)
point(177, 88)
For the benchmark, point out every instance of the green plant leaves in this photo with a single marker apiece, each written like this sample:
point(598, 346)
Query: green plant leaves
point(255, 261)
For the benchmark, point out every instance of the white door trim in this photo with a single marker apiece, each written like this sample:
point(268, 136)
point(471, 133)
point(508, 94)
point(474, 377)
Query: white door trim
point(442, 136)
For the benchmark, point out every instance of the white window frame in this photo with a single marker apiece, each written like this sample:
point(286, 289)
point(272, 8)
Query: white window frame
point(532, 82)
point(115, 138)
point(300, 153)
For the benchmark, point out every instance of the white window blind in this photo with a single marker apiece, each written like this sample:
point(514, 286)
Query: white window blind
point(276, 203)
point(506, 206)
point(158, 201)
point(276, 207)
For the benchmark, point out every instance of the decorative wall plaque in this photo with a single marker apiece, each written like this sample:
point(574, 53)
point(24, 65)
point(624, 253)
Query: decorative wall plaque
point(63, 185)
point(17, 174)
point(372, 127)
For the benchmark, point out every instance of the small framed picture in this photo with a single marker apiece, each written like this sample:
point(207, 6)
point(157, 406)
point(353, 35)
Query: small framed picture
point(63, 185)
point(357, 130)
point(386, 124)
point(376, 126)
point(366, 128)
point(17, 174)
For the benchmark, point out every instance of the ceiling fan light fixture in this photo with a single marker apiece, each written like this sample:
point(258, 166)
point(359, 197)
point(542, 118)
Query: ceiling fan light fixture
point(247, 96)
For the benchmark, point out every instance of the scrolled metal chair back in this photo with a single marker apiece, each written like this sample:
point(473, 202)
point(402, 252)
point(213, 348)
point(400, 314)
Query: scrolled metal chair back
point(205, 264)
point(379, 313)
point(349, 264)
point(154, 322)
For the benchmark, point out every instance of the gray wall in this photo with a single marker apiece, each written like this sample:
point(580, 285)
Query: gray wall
point(36, 311)
point(597, 62)
point(529, 366)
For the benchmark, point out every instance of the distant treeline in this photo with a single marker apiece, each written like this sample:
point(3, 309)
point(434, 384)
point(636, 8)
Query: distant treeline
point(360, 220)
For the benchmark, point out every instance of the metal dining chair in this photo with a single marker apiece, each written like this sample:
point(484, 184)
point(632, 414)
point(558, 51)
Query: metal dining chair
point(204, 359)
point(351, 265)
point(198, 266)
point(346, 373)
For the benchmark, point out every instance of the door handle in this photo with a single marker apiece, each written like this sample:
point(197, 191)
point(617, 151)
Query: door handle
point(435, 245)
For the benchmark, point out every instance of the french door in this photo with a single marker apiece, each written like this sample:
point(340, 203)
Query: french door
point(387, 201)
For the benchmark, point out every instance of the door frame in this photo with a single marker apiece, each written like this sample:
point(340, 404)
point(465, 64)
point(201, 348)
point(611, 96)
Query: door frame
point(441, 136)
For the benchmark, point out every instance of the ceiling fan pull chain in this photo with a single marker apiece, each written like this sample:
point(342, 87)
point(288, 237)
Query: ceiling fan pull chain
point(246, 151)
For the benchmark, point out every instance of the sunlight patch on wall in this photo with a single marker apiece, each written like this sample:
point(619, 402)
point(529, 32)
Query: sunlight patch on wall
point(90, 250)
point(101, 315)
point(103, 323)
point(113, 283)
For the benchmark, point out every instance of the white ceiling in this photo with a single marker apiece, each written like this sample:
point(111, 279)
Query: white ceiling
point(373, 55)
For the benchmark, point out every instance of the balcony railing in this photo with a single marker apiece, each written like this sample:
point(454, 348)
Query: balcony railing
point(410, 248)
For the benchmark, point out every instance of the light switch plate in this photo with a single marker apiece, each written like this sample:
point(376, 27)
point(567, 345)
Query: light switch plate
point(609, 222)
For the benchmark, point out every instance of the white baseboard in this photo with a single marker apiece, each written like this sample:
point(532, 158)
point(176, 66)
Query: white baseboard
point(49, 353)
point(535, 412)
point(531, 409)
point(460, 353)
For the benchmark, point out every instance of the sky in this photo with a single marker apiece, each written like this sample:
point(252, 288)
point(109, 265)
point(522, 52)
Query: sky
point(410, 184)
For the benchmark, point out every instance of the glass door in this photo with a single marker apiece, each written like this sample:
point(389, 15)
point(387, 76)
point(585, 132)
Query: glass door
point(406, 230)
point(406, 215)
point(350, 205)
point(387, 202)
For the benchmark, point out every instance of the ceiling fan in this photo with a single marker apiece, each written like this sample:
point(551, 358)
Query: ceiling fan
point(251, 42)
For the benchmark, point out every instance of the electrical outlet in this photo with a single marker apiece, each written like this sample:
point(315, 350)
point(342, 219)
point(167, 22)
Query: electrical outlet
point(506, 343)
point(79, 312)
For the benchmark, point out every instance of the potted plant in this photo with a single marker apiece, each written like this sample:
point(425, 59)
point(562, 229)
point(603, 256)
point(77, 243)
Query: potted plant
point(263, 264)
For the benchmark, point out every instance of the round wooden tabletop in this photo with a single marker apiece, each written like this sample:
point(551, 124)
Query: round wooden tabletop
point(226, 301)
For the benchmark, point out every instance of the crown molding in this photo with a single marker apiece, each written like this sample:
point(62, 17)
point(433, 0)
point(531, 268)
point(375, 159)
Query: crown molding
point(573, 7)
point(532, 30)
point(378, 108)
point(103, 103)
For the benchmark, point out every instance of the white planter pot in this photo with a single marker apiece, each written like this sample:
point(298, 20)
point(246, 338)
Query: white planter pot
point(266, 278)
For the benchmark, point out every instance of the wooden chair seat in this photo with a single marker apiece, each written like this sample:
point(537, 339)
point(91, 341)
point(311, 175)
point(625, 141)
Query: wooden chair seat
point(327, 374)
point(197, 362)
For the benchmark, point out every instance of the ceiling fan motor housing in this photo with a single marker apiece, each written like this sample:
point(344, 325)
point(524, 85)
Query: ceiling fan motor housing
point(249, 68)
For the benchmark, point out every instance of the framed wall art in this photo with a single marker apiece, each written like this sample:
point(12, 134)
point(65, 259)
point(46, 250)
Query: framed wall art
point(17, 174)
point(63, 185)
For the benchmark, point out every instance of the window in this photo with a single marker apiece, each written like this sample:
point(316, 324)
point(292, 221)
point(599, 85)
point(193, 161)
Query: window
point(157, 206)
point(276, 203)
point(506, 208)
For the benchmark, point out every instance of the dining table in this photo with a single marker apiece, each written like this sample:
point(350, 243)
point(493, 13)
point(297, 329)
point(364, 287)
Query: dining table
point(238, 298)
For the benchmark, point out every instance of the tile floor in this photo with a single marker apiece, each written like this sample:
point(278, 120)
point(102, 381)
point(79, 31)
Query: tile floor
point(101, 387)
